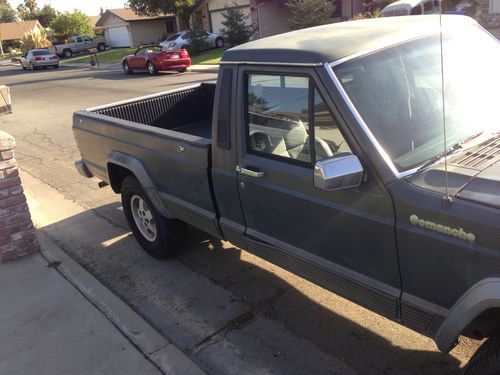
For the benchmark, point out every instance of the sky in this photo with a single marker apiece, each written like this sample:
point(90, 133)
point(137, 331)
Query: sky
point(89, 7)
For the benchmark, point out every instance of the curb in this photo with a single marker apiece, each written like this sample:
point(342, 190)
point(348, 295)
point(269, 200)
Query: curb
point(204, 68)
point(156, 348)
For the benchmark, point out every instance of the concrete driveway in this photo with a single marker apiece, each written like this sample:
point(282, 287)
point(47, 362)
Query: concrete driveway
point(230, 311)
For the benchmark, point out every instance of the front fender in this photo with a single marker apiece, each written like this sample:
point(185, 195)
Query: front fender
point(480, 297)
point(136, 167)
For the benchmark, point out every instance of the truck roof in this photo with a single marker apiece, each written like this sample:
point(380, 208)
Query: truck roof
point(328, 43)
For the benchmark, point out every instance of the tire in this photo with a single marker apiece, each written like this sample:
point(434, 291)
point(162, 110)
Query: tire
point(126, 68)
point(151, 68)
point(56, 66)
point(219, 43)
point(181, 70)
point(22, 66)
point(158, 236)
point(67, 53)
point(486, 361)
point(101, 47)
point(32, 67)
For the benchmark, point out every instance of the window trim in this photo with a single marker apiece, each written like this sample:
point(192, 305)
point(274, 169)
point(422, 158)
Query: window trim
point(312, 88)
point(248, 150)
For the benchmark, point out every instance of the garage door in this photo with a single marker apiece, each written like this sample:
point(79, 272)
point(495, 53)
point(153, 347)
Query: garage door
point(118, 37)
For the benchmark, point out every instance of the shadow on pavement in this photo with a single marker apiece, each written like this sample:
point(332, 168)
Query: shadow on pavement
point(182, 298)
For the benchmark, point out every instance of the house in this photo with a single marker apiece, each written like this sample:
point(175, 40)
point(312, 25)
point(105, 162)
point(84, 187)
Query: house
point(98, 30)
point(488, 13)
point(13, 31)
point(125, 28)
point(268, 16)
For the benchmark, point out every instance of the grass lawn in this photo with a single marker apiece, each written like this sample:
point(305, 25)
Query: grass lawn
point(106, 57)
point(210, 57)
point(115, 56)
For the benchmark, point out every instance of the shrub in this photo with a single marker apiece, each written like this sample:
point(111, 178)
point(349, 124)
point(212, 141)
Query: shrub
point(197, 41)
point(34, 40)
point(236, 27)
point(309, 13)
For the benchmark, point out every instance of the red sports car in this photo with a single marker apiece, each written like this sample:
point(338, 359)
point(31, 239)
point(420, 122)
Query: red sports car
point(154, 58)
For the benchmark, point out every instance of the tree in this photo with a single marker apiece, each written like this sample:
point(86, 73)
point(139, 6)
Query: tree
point(46, 15)
point(33, 40)
point(183, 8)
point(309, 13)
point(236, 28)
point(67, 24)
point(28, 10)
point(7, 14)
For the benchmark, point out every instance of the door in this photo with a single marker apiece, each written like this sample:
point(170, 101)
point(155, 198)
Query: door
point(138, 61)
point(118, 37)
point(79, 44)
point(88, 43)
point(343, 240)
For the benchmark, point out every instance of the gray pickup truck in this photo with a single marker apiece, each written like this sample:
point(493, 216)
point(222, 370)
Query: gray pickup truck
point(79, 44)
point(323, 151)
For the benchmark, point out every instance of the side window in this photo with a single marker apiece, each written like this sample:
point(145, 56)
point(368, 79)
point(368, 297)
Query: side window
point(78, 39)
point(283, 115)
point(87, 39)
point(278, 116)
point(328, 140)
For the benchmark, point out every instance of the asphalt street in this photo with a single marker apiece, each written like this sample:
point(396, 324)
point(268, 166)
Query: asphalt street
point(230, 311)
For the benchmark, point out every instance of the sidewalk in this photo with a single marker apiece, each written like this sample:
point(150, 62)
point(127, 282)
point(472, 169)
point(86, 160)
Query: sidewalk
point(55, 318)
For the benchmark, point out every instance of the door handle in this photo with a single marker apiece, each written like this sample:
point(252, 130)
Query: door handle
point(249, 172)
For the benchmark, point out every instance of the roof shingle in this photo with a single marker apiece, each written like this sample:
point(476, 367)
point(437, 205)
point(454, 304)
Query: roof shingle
point(16, 30)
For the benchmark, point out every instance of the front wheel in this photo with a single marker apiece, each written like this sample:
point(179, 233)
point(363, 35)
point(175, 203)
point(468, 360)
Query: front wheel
point(486, 361)
point(101, 47)
point(157, 235)
point(151, 68)
point(181, 70)
point(126, 68)
point(67, 53)
point(56, 66)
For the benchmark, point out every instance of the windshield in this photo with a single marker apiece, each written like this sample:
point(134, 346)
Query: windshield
point(173, 37)
point(397, 92)
point(42, 53)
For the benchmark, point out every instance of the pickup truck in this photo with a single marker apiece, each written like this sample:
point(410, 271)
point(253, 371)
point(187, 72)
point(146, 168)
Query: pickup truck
point(337, 153)
point(79, 44)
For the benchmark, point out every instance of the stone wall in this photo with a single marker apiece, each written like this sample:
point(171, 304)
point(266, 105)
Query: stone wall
point(17, 235)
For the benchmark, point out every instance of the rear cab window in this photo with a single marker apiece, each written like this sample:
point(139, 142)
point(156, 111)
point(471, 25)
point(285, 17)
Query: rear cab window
point(287, 119)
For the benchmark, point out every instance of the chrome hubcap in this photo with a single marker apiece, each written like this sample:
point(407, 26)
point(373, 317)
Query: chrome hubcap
point(143, 217)
point(151, 68)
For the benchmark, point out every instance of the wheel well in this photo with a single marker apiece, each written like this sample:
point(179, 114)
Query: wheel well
point(486, 324)
point(117, 174)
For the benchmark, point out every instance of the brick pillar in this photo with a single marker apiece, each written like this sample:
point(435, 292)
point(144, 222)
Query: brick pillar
point(17, 235)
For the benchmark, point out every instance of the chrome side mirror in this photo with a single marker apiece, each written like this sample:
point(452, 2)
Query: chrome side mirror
point(339, 172)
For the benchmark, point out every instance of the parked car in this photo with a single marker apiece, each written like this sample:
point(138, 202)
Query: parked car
point(39, 58)
point(295, 156)
point(79, 44)
point(181, 40)
point(410, 7)
point(154, 58)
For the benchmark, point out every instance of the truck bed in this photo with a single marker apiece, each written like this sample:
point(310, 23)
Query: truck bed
point(187, 111)
point(169, 135)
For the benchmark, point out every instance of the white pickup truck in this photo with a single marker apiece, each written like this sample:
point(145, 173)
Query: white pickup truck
point(79, 44)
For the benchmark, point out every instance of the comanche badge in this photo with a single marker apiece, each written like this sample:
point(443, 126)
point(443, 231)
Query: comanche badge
point(454, 232)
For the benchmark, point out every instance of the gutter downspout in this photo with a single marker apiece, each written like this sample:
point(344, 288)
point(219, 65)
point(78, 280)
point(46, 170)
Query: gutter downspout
point(258, 18)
